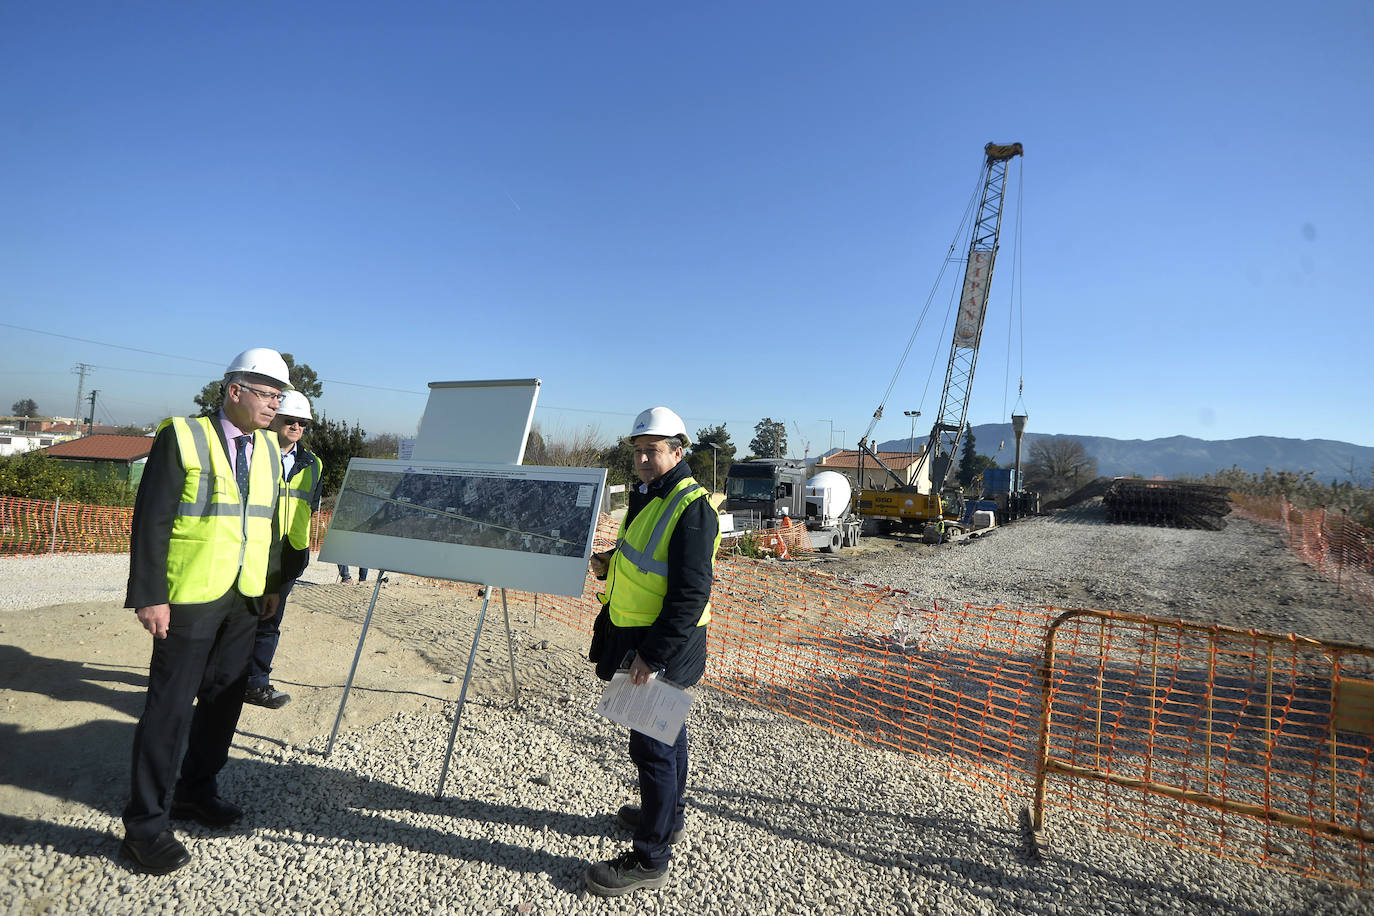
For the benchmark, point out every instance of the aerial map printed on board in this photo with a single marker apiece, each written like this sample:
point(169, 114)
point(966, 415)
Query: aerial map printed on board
point(514, 526)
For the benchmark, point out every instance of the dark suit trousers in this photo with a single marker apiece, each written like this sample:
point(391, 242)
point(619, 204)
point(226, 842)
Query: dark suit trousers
point(203, 659)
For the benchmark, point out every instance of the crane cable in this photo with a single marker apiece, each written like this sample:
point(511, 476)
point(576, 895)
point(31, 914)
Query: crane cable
point(1016, 294)
point(965, 221)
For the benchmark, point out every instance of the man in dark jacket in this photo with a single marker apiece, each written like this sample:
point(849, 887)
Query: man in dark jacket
point(203, 568)
point(653, 621)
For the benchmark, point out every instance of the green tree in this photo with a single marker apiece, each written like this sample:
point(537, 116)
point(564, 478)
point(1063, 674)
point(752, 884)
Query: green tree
point(619, 462)
point(336, 443)
point(25, 407)
point(710, 464)
point(966, 461)
point(303, 379)
point(771, 441)
point(971, 463)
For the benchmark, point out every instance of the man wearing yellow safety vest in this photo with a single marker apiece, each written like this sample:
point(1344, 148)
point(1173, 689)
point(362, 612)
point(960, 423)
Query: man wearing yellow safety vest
point(653, 620)
point(303, 474)
point(203, 568)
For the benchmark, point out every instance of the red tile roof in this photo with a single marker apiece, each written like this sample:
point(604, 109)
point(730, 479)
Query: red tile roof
point(102, 447)
point(850, 459)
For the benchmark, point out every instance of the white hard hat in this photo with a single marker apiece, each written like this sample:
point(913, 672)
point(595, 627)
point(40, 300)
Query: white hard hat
point(295, 404)
point(659, 421)
point(262, 361)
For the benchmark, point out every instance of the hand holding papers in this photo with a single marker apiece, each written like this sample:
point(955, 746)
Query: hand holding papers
point(656, 709)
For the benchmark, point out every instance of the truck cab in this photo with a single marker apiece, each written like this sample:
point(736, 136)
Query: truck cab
point(761, 492)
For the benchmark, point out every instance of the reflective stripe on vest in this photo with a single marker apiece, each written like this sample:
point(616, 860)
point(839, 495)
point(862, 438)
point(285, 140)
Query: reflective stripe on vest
point(644, 559)
point(217, 541)
point(638, 576)
point(295, 507)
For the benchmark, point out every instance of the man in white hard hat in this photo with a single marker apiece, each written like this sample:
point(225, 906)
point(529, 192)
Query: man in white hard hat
point(303, 473)
point(203, 568)
point(653, 620)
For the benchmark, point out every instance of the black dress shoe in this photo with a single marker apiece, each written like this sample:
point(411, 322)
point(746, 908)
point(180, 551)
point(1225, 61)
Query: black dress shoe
point(268, 697)
point(158, 856)
point(212, 812)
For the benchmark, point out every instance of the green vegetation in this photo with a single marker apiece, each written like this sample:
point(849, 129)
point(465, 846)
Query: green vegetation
point(771, 441)
point(971, 464)
point(34, 475)
point(1301, 489)
point(711, 456)
point(336, 443)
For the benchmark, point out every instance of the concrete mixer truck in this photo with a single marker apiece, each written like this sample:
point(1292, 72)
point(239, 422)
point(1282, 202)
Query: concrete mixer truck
point(761, 493)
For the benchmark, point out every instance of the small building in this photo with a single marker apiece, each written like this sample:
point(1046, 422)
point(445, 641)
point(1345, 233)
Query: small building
point(126, 454)
point(17, 442)
point(905, 464)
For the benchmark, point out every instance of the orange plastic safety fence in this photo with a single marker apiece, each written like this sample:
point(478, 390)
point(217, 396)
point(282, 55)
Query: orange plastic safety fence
point(31, 526)
point(1149, 721)
point(1340, 549)
point(319, 524)
point(962, 684)
point(1248, 745)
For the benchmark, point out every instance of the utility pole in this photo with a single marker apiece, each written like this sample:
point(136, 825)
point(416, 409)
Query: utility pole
point(80, 369)
point(90, 421)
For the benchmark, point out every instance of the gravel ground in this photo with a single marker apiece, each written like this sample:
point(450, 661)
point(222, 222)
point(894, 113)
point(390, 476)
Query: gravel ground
point(783, 818)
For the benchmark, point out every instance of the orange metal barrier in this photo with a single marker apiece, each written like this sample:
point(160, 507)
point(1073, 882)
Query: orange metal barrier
point(31, 526)
point(1248, 745)
point(1338, 548)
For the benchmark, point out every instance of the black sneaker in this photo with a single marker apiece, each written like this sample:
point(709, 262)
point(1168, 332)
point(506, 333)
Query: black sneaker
point(628, 817)
point(269, 697)
point(622, 875)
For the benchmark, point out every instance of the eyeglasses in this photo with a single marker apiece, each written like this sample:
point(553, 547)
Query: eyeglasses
point(270, 396)
point(301, 423)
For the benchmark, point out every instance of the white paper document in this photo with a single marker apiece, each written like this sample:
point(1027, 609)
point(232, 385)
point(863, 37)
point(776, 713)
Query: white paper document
point(656, 709)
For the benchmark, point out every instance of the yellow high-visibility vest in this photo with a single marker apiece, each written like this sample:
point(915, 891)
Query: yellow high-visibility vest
point(638, 575)
point(218, 541)
point(294, 509)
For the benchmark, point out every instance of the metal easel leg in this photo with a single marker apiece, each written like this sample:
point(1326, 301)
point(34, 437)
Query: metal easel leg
point(510, 650)
point(367, 621)
point(463, 694)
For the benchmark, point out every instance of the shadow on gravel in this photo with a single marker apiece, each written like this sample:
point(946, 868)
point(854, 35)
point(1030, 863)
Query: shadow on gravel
point(997, 861)
point(45, 762)
point(72, 682)
point(325, 807)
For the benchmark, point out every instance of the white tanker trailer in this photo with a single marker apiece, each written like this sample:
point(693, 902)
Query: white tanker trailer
point(830, 521)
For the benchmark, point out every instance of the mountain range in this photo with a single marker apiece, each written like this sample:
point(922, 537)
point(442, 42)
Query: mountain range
point(1328, 460)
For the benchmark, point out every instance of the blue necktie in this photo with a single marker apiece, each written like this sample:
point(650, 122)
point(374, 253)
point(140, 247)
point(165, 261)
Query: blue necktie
point(241, 468)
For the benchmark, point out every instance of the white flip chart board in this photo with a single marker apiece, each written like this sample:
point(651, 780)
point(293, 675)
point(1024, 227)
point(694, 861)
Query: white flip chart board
point(485, 421)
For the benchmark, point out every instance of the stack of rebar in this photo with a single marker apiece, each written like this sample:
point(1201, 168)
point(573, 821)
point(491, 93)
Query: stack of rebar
point(1167, 503)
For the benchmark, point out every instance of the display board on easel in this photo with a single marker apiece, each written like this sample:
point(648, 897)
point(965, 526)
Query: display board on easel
point(461, 506)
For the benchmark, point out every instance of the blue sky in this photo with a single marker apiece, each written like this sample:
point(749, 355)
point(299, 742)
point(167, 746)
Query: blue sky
point(737, 210)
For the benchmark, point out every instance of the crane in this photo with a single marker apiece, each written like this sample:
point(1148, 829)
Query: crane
point(806, 443)
point(942, 445)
